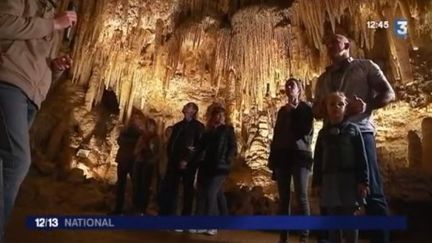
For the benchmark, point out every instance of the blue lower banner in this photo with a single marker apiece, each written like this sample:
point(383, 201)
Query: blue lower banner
point(217, 222)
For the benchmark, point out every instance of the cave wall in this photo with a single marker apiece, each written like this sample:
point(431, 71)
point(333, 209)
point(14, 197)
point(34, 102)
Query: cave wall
point(158, 55)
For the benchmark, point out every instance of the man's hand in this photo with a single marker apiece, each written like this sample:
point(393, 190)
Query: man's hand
point(64, 20)
point(191, 148)
point(356, 106)
point(61, 63)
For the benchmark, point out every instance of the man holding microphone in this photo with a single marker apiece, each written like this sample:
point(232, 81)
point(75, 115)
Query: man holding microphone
point(28, 39)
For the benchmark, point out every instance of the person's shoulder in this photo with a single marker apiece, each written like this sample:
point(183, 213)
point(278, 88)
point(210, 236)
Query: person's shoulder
point(305, 105)
point(198, 123)
point(352, 128)
point(229, 128)
point(177, 125)
point(322, 76)
point(362, 61)
point(323, 132)
point(365, 63)
point(281, 109)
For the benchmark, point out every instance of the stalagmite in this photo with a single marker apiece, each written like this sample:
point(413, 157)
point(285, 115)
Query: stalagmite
point(414, 149)
point(427, 144)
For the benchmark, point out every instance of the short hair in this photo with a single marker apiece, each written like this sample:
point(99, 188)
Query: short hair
point(334, 36)
point(193, 106)
point(297, 82)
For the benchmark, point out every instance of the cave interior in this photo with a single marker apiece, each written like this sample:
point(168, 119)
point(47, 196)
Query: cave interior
point(153, 57)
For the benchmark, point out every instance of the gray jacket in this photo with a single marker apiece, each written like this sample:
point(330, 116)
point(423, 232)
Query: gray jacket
point(27, 45)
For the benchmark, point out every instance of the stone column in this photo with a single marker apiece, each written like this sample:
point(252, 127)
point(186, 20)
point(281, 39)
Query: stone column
point(414, 149)
point(427, 143)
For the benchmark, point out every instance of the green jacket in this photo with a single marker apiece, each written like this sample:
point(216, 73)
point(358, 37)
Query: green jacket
point(27, 45)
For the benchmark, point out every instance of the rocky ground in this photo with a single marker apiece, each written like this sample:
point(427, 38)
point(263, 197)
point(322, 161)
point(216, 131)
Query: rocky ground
point(47, 195)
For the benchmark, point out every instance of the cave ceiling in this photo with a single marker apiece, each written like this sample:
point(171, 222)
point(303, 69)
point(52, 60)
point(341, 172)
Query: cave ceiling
point(156, 55)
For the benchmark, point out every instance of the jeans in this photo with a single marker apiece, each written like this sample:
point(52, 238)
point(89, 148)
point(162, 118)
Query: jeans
point(323, 235)
point(142, 179)
point(211, 197)
point(300, 174)
point(124, 169)
point(336, 236)
point(376, 203)
point(169, 191)
point(17, 113)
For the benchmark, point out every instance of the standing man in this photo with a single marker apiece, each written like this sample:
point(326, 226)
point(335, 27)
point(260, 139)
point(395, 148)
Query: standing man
point(27, 45)
point(367, 89)
point(181, 148)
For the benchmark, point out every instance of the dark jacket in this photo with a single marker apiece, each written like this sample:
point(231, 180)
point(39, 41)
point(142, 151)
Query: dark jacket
point(127, 141)
point(184, 134)
point(147, 149)
point(27, 45)
point(218, 148)
point(340, 149)
point(292, 137)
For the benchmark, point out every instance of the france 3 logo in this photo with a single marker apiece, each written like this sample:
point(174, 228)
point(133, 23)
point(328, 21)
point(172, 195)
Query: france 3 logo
point(401, 28)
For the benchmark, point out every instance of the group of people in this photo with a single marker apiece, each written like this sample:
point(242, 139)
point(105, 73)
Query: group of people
point(199, 158)
point(139, 157)
point(346, 173)
point(345, 170)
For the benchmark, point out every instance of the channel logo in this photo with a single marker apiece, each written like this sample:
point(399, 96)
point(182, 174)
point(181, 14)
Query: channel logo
point(401, 28)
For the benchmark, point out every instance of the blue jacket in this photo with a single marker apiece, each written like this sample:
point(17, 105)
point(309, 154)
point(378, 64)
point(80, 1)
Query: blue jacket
point(340, 164)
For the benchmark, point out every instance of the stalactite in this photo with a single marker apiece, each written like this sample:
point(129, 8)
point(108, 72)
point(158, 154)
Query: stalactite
point(94, 88)
point(117, 34)
point(142, 44)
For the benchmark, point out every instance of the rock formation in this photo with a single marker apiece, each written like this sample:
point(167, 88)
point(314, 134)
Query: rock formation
point(157, 55)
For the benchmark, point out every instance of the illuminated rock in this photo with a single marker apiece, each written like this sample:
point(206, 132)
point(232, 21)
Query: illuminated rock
point(158, 55)
point(427, 144)
point(414, 149)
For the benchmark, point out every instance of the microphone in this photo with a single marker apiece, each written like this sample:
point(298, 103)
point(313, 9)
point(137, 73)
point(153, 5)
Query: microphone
point(69, 31)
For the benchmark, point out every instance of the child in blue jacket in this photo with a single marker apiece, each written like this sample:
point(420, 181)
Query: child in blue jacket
point(340, 169)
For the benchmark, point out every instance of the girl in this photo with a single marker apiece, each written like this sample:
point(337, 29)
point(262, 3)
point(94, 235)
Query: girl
point(217, 149)
point(341, 170)
point(146, 156)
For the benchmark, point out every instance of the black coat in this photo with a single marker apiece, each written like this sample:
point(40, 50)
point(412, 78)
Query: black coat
point(127, 140)
point(292, 138)
point(184, 134)
point(217, 150)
